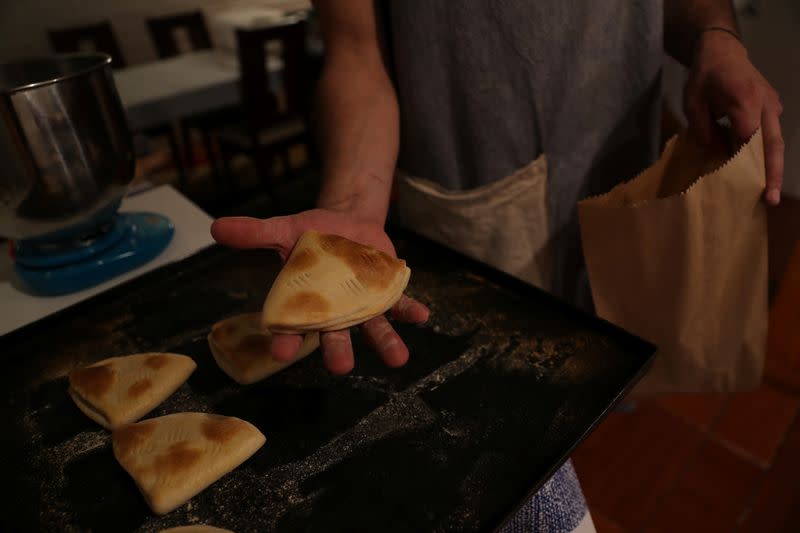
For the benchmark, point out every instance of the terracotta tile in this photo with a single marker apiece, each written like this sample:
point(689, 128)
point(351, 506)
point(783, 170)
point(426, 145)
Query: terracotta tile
point(631, 460)
point(710, 494)
point(605, 525)
point(698, 409)
point(777, 506)
point(755, 422)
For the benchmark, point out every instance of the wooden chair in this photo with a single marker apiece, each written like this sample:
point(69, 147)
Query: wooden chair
point(163, 32)
point(100, 37)
point(274, 119)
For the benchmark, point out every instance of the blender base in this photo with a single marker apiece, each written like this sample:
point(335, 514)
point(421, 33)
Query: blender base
point(133, 240)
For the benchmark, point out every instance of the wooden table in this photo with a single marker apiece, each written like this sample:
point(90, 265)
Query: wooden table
point(167, 90)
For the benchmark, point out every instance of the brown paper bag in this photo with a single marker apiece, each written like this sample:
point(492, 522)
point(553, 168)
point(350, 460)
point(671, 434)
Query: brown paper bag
point(678, 256)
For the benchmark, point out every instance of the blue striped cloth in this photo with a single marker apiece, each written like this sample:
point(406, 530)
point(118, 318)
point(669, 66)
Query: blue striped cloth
point(558, 507)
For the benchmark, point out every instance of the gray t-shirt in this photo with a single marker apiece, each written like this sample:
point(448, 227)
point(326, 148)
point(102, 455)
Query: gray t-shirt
point(485, 86)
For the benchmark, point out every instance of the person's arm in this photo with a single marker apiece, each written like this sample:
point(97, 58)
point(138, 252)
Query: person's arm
point(359, 147)
point(359, 116)
point(723, 81)
point(686, 20)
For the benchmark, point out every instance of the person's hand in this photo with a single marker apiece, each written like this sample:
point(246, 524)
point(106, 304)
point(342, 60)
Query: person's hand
point(281, 234)
point(723, 82)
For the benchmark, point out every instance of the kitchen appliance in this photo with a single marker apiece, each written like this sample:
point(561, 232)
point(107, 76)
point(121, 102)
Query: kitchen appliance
point(66, 160)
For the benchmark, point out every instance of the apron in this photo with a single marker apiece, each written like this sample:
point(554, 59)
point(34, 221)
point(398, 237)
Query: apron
point(503, 224)
point(484, 87)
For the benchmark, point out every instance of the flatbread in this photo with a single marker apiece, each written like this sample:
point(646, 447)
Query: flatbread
point(174, 457)
point(121, 390)
point(242, 349)
point(195, 529)
point(330, 283)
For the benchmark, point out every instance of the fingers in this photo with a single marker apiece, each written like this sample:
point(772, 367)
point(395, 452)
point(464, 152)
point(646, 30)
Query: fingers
point(284, 347)
point(749, 104)
point(382, 336)
point(760, 107)
point(773, 153)
point(277, 233)
point(337, 351)
point(698, 114)
point(744, 123)
point(409, 310)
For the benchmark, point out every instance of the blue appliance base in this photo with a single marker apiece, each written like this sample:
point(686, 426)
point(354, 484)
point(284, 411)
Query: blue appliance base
point(138, 238)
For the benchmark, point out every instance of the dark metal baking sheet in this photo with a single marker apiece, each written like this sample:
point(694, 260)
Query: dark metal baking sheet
point(503, 383)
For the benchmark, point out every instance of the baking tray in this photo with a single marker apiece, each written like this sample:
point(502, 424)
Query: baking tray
point(502, 384)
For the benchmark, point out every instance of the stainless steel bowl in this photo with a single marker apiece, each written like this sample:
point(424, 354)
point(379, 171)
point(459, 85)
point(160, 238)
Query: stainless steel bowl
point(66, 153)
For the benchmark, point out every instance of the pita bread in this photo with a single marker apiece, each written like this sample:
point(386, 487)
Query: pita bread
point(174, 457)
point(330, 283)
point(121, 390)
point(195, 529)
point(241, 348)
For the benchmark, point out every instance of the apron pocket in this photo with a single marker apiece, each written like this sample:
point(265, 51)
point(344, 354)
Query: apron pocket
point(503, 224)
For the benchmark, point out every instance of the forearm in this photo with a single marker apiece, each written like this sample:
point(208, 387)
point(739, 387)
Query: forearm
point(684, 20)
point(359, 138)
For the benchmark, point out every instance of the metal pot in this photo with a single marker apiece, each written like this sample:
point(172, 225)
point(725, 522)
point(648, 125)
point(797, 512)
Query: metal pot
point(66, 153)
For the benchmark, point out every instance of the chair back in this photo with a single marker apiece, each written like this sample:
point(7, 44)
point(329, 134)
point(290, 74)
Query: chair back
point(99, 37)
point(163, 31)
point(261, 101)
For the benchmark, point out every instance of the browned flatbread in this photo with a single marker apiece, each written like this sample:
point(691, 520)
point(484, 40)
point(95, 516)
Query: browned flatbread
point(242, 349)
point(174, 457)
point(120, 390)
point(331, 283)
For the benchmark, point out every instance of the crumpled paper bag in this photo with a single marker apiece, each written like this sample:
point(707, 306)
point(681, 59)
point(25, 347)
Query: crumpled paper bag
point(678, 256)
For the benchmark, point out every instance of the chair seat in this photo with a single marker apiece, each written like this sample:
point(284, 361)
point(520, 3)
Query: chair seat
point(238, 137)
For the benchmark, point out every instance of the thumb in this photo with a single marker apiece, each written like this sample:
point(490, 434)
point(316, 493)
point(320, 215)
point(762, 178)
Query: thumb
point(276, 233)
point(698, 115)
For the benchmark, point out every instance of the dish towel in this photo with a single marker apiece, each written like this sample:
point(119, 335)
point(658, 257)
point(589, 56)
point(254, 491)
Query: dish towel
point(558, 507)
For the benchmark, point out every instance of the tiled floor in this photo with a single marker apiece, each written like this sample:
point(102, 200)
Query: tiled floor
point(708, 463)
point(659, 468)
